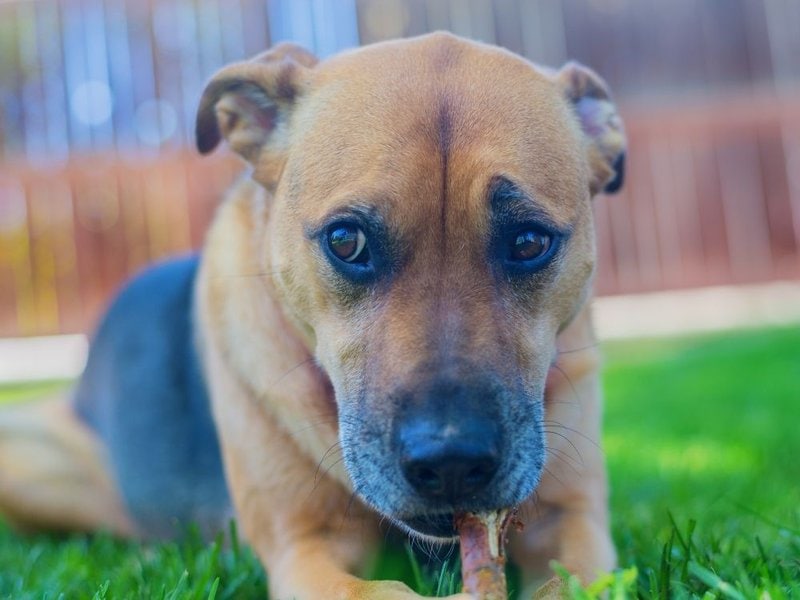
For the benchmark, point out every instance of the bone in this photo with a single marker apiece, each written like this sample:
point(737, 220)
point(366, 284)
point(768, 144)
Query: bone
point(483, 560)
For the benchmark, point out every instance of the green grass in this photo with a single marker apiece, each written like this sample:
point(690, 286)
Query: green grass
point(702, 438)
point(18, 392)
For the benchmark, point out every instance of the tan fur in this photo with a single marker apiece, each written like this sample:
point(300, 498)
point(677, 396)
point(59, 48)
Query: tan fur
point(53, 472)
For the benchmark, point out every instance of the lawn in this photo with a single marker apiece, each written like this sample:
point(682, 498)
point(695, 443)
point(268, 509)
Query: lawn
point(702, 438)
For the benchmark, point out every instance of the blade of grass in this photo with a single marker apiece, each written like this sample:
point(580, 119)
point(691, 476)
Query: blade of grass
point(715, 582)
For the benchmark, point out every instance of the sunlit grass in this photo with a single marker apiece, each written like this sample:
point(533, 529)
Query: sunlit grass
point(705, 431)
point(702, 437)
point(19, 392)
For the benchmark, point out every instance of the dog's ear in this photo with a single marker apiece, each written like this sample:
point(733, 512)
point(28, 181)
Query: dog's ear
point(248, 103)
point(601, 123)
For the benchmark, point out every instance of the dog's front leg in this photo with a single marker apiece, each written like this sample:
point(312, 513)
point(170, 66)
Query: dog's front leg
point(567, 520)
point(309, 532)
point(575, 484)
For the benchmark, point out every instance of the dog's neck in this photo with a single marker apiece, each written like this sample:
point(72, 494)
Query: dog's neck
point(264, 346)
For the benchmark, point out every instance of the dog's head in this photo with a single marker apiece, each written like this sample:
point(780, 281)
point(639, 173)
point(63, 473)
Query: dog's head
point(430, 234)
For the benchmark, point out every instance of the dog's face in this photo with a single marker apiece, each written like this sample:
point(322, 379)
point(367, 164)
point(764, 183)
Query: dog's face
point(430, 235)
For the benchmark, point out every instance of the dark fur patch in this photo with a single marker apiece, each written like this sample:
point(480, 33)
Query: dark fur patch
point(444, 122)
point(144, 393)
point(444, 125)
point(285, 88)
point(615, 185)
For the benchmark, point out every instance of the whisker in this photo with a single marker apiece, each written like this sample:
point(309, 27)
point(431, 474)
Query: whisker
point(313, 425)
point(573, 430)
point(550, 473)
point(292, 370)
point(425, 546)
point(569, 441)
point(525, 514)
point(322, 477)
point(334, 446)
point(328, 470)
point(571, 403)
point(450, 551)
point(346, 515)
point(568, 460)
point(386, 530)
point(581, 349)
point(569, 381)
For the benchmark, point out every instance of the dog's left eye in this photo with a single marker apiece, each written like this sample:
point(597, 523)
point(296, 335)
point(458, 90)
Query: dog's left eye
point(529, 245)
point(348, 243)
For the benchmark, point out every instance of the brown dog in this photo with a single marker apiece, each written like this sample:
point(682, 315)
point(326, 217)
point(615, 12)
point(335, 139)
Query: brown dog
point(402, 284)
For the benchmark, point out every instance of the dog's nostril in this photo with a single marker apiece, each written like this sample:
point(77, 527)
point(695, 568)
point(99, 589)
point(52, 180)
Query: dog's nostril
point(450, 477)
point(426, 479)
point(479, 475)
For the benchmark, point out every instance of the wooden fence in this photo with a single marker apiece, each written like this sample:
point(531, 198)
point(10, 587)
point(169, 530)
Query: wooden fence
point(70, 234)
point(712, 196)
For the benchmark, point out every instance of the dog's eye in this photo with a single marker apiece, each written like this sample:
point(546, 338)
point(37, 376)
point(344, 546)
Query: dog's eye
point(529, 245)
point(348, 243)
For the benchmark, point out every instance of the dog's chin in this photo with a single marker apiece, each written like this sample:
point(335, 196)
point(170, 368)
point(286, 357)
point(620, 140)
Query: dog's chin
point(438, 528)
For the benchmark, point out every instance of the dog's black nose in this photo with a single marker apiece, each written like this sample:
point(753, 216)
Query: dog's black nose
point(453, 477)
point(449, 461)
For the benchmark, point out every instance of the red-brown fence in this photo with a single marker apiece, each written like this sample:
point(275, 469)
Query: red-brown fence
point(97, 101)
point(70, 234)
point(712, 197)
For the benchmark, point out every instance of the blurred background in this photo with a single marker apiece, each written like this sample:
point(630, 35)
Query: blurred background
point(98, 175)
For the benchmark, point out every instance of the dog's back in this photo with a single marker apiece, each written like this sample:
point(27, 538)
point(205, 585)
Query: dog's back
point(143, 393)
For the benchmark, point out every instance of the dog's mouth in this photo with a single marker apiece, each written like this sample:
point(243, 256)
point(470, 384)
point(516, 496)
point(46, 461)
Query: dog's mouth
point(440, 525)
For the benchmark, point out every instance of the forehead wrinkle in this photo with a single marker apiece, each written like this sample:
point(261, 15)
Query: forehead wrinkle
point(455, 291)
point(446, 318)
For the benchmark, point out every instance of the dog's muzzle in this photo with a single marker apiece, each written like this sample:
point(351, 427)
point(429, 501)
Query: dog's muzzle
point(450, 444)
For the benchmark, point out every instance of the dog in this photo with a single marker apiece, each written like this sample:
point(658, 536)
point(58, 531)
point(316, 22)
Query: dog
point(388, 323)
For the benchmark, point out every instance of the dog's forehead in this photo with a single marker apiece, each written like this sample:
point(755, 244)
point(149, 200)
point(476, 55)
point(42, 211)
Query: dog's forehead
point(393, 115)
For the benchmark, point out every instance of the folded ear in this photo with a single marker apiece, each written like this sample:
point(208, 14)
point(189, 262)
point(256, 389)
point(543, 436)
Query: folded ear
point(248, 103)
point(600, 122)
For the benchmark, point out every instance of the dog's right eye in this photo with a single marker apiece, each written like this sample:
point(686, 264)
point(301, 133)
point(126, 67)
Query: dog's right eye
point(348, 243)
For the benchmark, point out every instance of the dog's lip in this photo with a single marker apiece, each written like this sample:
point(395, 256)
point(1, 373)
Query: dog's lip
point(439, 525)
